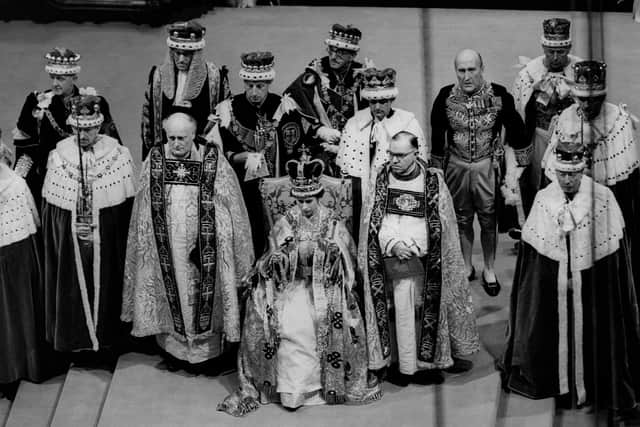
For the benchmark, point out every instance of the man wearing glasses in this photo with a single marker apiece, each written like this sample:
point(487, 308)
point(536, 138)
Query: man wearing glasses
point(366, 136)
point(328, 93)
point(410, 246)
point(467, 121)
point(607, 133)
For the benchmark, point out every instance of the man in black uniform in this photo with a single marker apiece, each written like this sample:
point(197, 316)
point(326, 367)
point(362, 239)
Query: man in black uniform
point(328, 93)
point(43, 119)
point(467, 121)
point(259, 132)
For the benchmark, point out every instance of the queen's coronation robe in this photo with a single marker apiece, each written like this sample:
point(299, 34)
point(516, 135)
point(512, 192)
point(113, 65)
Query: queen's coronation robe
point(303, 341)
point(85, 238)
point(189, 247)
point(445, 321)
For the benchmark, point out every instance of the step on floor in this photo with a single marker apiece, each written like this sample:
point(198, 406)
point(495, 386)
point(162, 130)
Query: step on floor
point(143, 394)
point(82, 397)
point(35, 403)
point(5, 406)
point(518, 411)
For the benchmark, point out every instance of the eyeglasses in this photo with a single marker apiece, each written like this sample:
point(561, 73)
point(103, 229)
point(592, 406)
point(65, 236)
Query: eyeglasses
point(399, 156)
point(332, 50)
point(380, 101)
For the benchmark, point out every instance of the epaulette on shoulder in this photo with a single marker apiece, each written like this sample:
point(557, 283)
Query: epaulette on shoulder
point(39, 92)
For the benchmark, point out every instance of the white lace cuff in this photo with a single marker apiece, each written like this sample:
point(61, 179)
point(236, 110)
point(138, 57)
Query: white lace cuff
point(23, 165)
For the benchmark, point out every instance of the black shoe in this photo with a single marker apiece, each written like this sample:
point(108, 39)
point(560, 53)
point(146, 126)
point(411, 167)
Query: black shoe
point(396, 377)
point(9, 391)
point(472, 275)
point(630, 416)
point(428, 377)
point(459, 366)
point(514, 233)
point(564, 402)
point(170, 363)
point(491, 288)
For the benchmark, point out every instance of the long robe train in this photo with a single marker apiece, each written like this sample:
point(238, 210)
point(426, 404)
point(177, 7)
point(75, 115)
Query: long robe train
point(65, 318)
point(21, 321)
point(530, 363)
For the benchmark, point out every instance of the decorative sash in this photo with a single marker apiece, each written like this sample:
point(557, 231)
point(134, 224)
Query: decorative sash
point(433, 278)
point(55, 125)
point(182, 172)
point(165, 172)
point(213, 79)
point(264, 139)
point(156, 101)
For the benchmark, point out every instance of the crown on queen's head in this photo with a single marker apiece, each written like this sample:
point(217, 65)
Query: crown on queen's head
point(590, 78)
point(305, 177)
point(85, 112)
point(62, 61)
point(569, 156)
point(343, 37)
point(556, 32)
point(187, 35)
point(379, 84)
point(257, 66)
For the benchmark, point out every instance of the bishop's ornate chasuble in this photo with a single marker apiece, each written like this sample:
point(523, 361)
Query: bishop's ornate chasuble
point(445, 321)
point(189, 247)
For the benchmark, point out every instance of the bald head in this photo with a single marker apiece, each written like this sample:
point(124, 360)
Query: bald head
point(181, 131)
point(469, 68)
point(468, 55)
point(180, 120)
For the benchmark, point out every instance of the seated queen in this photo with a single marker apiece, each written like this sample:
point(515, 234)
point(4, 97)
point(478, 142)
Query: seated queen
point(304, 340)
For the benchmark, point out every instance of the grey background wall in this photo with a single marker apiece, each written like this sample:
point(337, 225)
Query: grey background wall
point(116, 57)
